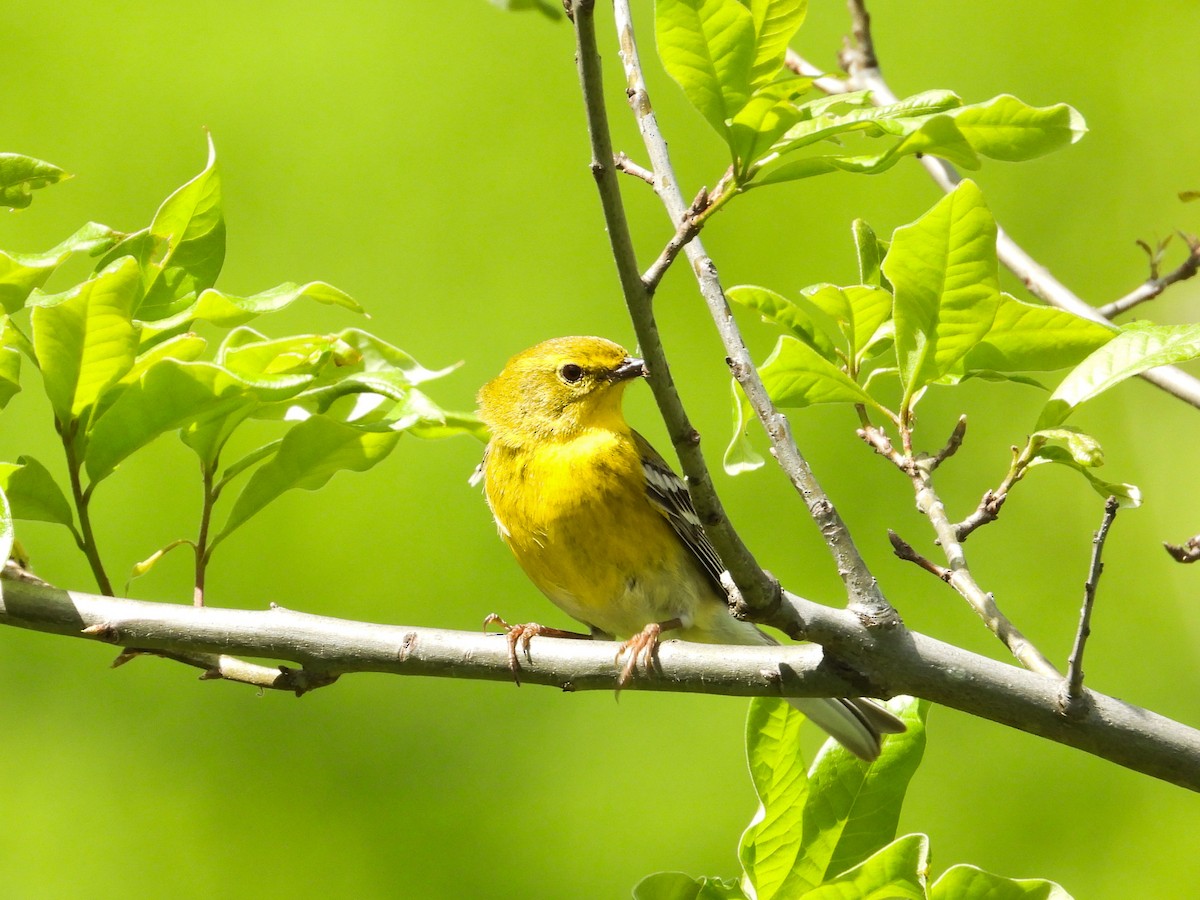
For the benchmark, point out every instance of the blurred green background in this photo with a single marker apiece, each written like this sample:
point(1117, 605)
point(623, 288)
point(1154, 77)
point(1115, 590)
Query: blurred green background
point(430, 159)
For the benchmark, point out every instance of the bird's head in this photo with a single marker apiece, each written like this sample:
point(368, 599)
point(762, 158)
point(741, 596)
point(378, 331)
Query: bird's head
point(558, 389)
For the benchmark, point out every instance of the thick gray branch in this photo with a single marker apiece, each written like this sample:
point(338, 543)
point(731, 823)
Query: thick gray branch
point(877, 662)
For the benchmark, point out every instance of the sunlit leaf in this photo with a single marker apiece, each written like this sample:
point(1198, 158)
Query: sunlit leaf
point(770, 111)
point(870, 251)
point(1128, 495)
point(20, 176)
point(775, 23)
point(1135, 349)
point(1084, 448)
point(310, 454)
point(770, 845)
point(11, 341)
point(740, 455)
point(970, 883)
point(678, 886)
point(183, 249)
point(20, 273)
point(1006, 128)
point(897, 872)
point(859, 310)
point(796, 375)
point(787, 313)
point(33, 494)
point(707, 46)
point(228, 310)
point(85, 338)
point(944, 272)
point(1027, 337)
point(853, 806)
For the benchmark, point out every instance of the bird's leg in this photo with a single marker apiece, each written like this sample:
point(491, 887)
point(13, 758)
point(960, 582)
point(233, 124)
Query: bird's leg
point(523, 634)
point(641, 647)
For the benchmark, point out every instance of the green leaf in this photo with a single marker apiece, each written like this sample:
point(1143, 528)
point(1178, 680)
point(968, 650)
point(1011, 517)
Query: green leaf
point(20, 176)
point(228, 310)
point(7, 535)
point(1006, 128)
point(708, 47)
point(678, 886)
point(897, 872)
point(770, 845)
point(310, 454)
point(796, 375)
point(775, 24)
point(85, 338)
point(943, 269)
point(11, 342)
point(182, 251)
point(1084, 448)
point(770, 111)
point(786, 313)
point(1135, 349)
point(33, 493)
point(20, 273)
point(203, 399)
point(1128, 495)
point(859, 310)
point(1027, 337)
point(740, 455)
point(854, 806)
point(970, 883)
point(870, 252)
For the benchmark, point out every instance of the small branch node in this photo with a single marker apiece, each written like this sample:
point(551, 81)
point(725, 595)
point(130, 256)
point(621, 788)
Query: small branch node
point(1072, 689)
point(1188, 552)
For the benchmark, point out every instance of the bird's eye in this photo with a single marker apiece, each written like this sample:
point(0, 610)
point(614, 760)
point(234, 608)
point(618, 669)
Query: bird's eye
point(570, 373)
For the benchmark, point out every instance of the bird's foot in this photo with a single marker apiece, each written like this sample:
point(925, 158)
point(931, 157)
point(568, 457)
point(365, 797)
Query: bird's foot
point(520, 635)
point(640, 650)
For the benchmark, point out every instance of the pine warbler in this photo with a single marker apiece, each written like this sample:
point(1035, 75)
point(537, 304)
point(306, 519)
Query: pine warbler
point(604, 527)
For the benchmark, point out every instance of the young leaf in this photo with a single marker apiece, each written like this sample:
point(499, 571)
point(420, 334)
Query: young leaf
point(182, 251)
point(6, 530)
point(770, 111)
point(1027, 337)
point(1135, 349)
point(1128, 495)
point(20, 273)
point(1008, 129)
point(964, 882)
point(708, 47)
point(796, 375)
point(859, 311)
point(33, 493)
point(740, 456)
point(787, 313)
point(228, 310)
point(20, 176)
point(870, 252)
point(309, 455)
point(678, 886)
point(943, 269)
point(853, 806)
point(897, 872)
point(195, 396)
point(10, 360)
point(771, 843)
point(85, 338)
point(1084, 448)
point(775, 23)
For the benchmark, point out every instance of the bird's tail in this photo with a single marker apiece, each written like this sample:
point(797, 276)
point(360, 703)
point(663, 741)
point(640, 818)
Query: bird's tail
point(858, 724)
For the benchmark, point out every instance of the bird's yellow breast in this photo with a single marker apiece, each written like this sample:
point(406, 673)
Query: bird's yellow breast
point(576, 516)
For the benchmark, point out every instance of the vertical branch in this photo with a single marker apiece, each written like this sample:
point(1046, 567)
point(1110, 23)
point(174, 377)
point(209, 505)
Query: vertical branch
point(865, 598)
point(202, 548)
point(1073, 686)
point(761, 591)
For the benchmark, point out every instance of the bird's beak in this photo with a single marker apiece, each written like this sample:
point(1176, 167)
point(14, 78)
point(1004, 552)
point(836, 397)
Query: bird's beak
point(630, 367)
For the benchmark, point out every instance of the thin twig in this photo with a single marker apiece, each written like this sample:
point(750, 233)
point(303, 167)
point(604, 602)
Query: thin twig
point(755, 586)
point(865, 597)
point(1188, 552)
point(905, 551)
point(1036, 277)
point(919, 471)
point(689, 227)
point(1073, 684)
point(1155, 285)
point(899, 662)
point(992, 500)
point(629, 167)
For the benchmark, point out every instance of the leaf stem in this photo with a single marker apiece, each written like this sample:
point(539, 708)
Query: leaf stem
point(85, 538)
point(202, 549)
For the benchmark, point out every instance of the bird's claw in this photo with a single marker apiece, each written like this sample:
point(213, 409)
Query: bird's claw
point(520, 634)
point(638, 649)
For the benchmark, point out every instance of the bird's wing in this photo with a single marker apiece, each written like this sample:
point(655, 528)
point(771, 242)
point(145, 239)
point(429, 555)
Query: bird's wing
point(669, 495)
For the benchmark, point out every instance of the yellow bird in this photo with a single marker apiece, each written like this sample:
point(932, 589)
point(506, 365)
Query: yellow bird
point(603, 526)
